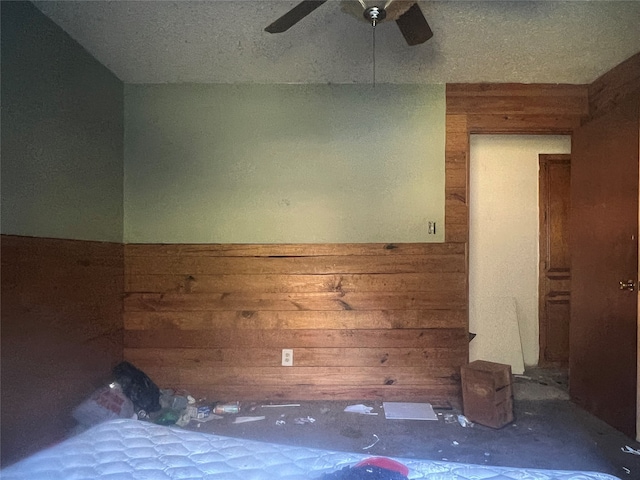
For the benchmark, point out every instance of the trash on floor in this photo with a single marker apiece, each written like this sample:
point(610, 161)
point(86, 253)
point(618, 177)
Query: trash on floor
point(184, 419)
point(134, 395)
point(376, 441)
point(450, 418)
point(628, 449)
point(361, 409)
point(303, 420)
point(168, 417)
point(408, 411)
point(136, 385)
point(212, 416)
point(104, 404)
point(464, 421)
point(221, 409)
point(198, 412)
point(248, 419)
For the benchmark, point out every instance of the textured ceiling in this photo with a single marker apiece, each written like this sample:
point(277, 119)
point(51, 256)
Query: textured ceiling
point(222, 41)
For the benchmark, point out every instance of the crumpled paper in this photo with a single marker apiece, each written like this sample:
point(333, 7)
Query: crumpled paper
point(361, 409)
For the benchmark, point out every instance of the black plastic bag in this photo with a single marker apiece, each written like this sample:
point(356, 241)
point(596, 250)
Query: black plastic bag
point(373, 468)
point(136, 385)
point(364, 473)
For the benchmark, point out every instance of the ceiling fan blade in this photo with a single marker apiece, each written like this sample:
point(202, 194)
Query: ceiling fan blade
point(414, 26)
point(294, 15)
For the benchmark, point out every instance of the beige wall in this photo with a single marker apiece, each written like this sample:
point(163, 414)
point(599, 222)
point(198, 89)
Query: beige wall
point(503, 245)
point(62, 133)
point(284, 163)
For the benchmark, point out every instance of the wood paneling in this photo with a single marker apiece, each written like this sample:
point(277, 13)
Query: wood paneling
point(366, 321)
point(519, 109)
point(61, 334)
point(616, 87)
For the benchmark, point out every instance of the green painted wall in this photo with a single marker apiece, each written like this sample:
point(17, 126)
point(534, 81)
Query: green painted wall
point(284, 163)
point(62, 133)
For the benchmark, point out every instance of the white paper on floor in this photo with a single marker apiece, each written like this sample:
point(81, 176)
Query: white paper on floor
point(361, 409)
point(247, 419)
point(408, 411)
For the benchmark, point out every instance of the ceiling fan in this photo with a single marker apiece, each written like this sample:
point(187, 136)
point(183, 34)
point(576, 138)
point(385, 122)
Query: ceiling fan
point(405, 13)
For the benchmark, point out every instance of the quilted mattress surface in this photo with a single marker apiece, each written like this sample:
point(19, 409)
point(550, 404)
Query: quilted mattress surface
point(131, 449)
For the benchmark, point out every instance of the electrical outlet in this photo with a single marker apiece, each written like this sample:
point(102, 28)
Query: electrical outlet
point(287, 357)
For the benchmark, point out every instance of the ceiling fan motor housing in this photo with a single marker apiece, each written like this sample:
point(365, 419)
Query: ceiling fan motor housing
point(375, 15)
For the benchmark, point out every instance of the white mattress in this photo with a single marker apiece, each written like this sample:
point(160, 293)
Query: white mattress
point(131, 449)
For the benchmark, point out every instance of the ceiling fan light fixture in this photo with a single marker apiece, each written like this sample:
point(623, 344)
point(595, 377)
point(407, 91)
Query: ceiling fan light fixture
point(406, 13)
point(374, 15)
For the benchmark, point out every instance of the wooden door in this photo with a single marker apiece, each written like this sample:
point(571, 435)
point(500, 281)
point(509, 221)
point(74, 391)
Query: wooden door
point(604, 251)
point(555, 261)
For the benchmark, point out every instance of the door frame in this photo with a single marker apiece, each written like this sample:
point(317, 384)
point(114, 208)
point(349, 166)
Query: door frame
point(531, 332)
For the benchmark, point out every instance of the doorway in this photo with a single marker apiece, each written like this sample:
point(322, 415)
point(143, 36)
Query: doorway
point(504, 246)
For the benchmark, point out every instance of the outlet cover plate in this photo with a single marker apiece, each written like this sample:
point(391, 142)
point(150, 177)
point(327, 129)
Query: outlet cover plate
point(287, 357)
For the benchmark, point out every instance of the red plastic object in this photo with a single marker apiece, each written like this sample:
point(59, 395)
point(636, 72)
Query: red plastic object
point(385, 463)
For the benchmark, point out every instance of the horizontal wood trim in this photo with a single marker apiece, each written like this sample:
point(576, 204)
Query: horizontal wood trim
point(259, 283)
point(212, 358)
point(515, 90)
point(288, 320)
point(440, 396)
point(281, 376)
point(555, 105)
point(19, 248)
point(405, 338)
point(288, 250)
point(188, 265)
point(523, 124)
point(518, 99)
point(331, 301)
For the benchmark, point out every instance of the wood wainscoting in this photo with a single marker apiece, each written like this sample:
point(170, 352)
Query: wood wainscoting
point(61, 334)
point(365, 321)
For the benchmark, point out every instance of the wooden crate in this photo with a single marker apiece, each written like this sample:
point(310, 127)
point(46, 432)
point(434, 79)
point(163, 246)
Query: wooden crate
point(487, 393)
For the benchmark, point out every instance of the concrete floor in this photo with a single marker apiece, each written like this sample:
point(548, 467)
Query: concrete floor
point(549, 432)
